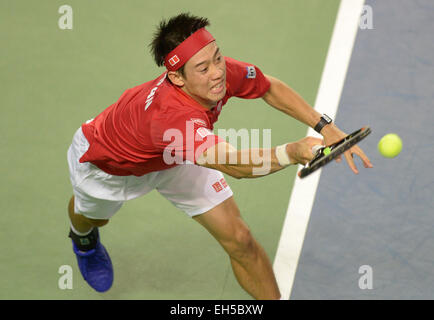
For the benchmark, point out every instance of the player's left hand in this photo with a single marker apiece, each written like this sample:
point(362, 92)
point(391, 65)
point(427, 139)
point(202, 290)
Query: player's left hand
point(332, 134)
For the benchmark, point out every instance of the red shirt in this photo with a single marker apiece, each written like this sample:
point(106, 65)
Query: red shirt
point(156, 125)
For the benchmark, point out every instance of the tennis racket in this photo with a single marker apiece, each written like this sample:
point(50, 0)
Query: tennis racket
point(325, 154)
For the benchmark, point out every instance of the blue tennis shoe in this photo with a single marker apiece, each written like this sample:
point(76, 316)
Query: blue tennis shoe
point(95, 266)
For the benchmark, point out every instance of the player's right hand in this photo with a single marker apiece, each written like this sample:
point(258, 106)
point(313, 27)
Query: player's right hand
point(300, 152)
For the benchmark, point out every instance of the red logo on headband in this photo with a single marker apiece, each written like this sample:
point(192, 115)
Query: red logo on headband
point(174, 60)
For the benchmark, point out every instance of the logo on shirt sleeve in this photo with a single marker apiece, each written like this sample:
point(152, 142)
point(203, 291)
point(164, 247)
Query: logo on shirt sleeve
point(251, 72)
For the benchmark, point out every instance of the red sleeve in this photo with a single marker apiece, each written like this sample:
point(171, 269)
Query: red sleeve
point(183, 137)
point(245, 80)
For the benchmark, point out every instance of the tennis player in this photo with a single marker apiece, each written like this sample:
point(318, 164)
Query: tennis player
point(158, 135)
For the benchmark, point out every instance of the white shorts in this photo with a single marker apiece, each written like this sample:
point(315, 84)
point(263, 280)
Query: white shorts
point(99, 195)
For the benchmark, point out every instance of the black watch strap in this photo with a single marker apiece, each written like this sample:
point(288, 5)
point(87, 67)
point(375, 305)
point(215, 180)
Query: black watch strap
point(325, 120)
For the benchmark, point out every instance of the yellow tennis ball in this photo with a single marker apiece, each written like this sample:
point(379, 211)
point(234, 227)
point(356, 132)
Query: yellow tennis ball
point(390, 145)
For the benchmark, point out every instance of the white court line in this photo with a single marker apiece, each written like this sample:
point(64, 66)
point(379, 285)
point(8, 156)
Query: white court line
point(327, 101)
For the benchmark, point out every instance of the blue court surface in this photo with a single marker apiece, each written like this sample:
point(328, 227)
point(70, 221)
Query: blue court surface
point(380, 224)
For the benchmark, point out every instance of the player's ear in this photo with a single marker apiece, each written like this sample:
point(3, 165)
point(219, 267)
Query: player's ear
point(176, 78)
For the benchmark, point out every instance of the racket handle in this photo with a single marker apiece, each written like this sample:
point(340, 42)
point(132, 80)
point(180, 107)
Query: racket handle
point(316, 148)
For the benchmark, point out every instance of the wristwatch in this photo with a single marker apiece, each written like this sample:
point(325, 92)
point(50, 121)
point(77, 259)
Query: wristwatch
point(325, 120)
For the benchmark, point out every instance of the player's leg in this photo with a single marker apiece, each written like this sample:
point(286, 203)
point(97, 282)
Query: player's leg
point(203, 193)
point(80, 223)
point(250, 263)
point(86, 213)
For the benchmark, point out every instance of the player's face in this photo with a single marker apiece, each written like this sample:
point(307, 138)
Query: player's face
point(205, 76)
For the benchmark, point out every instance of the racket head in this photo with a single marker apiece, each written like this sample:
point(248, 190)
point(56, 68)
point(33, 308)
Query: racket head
point(334, 150)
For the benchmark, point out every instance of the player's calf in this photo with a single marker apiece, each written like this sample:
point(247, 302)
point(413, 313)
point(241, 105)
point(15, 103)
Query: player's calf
point(242, 245)
point(252, 267)
point(97, 222)
point(80, 223)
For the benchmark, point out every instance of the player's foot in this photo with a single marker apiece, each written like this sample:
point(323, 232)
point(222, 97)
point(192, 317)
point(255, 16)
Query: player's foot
point(95, 266)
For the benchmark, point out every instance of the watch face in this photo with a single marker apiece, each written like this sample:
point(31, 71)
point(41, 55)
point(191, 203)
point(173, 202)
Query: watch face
point(327, 118)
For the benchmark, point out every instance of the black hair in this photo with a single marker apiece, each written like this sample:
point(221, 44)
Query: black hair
point(171, 33)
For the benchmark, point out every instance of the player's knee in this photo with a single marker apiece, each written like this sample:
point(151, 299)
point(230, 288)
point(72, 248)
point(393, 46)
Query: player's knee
point(242, 244)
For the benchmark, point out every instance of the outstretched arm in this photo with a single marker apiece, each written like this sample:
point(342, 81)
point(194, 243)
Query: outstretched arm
point(285, 99)
point(254, 163)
